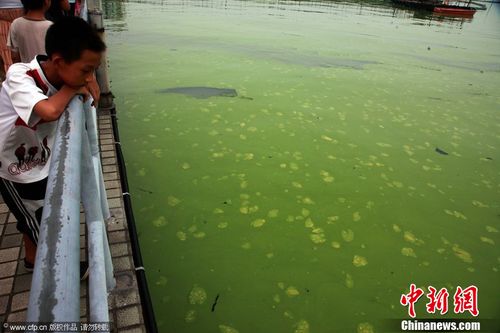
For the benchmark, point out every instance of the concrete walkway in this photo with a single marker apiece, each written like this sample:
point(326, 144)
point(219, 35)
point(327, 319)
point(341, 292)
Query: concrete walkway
point(124, 302)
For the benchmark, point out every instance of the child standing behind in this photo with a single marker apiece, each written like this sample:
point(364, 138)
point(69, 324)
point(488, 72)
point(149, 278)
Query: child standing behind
point(27, 33)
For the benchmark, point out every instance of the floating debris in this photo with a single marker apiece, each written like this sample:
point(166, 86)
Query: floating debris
point(248, 156)
point(291, 291)
point(222, 225)
point(491, 229)
point(197, 295)
point(307, 201)
point(332, 219)
point(258, 223)
point(440, 151)
point(162, 281)
point(359, 261)
point(347, 235)
point(411, 238)
point(273, 213)
point(246, 246)
point(199, 234)
point(309, 223)
point(462, 254)
point(186, 166)
point(318, 238)
point(479, 204)
point(408, 252)
point(160, 222)
point(227, 329)
point(181, 235)
point(288, 314)
point(365, 328)
point(326, 138)
point(455, 213)
point(214, 304)
point(487, 240)
point(356, 216)
point(302, 327)
point(349, 282)
point(336, 245)
point(173, 201)
point(190, 316)
point(396, 228)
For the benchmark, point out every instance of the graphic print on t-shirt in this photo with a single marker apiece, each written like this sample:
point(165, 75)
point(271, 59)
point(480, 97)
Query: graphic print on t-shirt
point(28, 157)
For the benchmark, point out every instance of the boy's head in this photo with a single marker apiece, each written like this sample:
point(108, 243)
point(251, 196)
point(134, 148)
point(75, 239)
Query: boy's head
point(35, 4)
point(75, 49)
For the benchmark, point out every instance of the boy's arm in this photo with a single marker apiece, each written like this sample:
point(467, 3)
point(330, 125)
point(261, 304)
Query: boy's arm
point(51, 108)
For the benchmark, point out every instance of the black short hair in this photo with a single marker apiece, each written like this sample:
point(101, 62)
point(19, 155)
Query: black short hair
point(32, 4)
point(70, 36)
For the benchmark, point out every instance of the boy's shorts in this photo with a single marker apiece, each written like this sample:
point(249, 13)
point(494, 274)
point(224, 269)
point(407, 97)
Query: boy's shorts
point(25, 201)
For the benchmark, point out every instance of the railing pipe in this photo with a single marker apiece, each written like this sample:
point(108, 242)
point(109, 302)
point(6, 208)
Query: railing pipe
point(91, 122)
point(99, 282)
point(93, 145)
point(55, 288)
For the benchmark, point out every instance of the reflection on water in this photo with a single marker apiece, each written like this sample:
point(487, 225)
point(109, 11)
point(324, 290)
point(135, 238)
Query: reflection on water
point(295, 166)
point(114, 10)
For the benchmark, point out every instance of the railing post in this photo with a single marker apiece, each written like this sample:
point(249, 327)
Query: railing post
point(96, 21)
point(55, 288)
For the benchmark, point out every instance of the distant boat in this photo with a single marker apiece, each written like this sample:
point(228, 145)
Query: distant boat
point(439, 6)
point(419, 4)
point(455, 10)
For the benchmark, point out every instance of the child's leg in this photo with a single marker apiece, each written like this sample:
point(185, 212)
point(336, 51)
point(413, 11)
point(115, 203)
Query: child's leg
point(25, 201)
point(29, 249)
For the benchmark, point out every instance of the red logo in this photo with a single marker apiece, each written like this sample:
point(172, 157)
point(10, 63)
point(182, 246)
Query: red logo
point(463, 300)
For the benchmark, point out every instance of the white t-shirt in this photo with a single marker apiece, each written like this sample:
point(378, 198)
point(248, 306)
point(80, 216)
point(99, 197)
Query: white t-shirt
point(11, 4)
point(27, 37)
point(25, 139)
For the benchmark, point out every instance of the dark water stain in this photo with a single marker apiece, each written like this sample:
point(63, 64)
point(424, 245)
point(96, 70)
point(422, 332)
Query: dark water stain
point(321, 61)
point(200, 92)
point(144, 190)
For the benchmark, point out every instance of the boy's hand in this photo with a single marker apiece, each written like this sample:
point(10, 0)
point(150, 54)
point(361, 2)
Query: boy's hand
point(93, 89)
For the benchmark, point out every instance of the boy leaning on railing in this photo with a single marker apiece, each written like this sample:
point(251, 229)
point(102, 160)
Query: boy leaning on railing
point(32, 98)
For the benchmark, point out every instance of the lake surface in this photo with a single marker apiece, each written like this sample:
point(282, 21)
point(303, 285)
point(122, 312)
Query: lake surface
point(354, 151)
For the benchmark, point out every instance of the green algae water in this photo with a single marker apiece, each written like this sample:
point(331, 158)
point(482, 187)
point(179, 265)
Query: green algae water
point(359, 154)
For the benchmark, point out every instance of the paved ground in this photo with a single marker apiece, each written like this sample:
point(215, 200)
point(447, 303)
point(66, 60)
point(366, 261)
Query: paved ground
point(124, 302)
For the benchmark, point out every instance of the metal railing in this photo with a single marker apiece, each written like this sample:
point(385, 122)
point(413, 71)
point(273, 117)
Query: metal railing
point(75, 175)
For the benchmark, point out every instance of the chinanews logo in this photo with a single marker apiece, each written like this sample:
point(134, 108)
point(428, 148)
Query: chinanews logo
point(463, 300)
